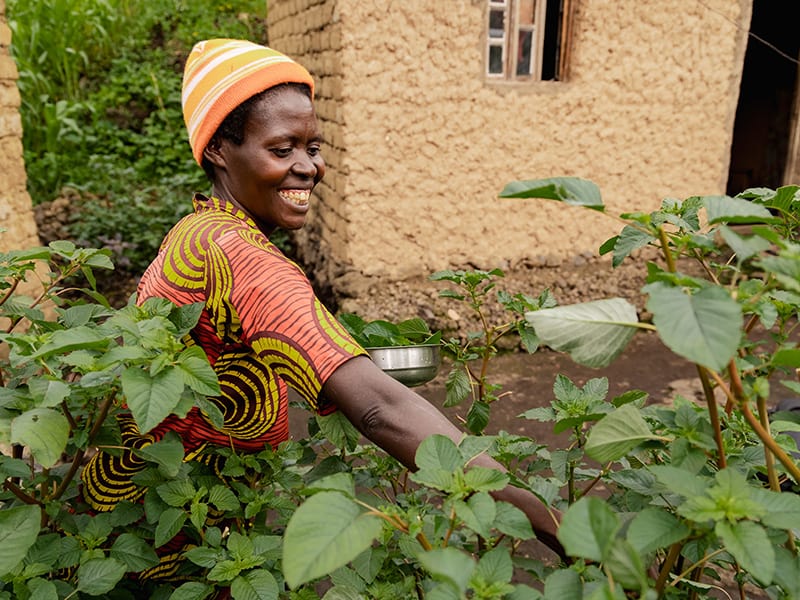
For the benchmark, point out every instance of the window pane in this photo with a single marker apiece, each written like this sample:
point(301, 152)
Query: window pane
point(497, 26)
point(524, 66)
point(496, 60)
point(526, 11)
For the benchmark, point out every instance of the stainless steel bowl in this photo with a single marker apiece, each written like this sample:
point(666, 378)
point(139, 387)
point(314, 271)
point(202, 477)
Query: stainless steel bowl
point(410, 365)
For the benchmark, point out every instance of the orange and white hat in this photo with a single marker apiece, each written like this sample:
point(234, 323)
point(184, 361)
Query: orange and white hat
point(220, 74)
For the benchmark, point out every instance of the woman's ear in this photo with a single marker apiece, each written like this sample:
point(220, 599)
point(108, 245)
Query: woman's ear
point(213, 153)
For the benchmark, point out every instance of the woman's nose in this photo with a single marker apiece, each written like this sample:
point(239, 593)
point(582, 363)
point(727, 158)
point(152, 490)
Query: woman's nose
point(304, 165)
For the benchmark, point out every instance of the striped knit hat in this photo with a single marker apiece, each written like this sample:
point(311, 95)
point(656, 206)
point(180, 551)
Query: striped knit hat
point(220, 74)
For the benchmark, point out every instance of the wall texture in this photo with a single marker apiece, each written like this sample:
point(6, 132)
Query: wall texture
point(16, 212)
point(419, 143)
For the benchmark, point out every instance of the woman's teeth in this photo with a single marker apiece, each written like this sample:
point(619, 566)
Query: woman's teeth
point(296, 196)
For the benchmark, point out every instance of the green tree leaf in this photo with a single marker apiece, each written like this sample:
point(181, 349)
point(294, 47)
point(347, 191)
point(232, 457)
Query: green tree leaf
point(750, 546)
point(450, 565)
point(724, 209)
point(99, 575)
point(439, 452)
point(457, 386)
point(197, 373)
point(167, 453)
point(571, 190)
point(478, 513)
point(136, 553)
point(512, 521)
point(326, 532)
point(618, 433)
point(169, 524)
point(192, 590)
point(654, 528)
point(255, 585)
point(68, 340)
point(629, 239)
point(704, 327)
point(151, 399)
point(44, 431)
point(19, 528)
point(495, 565)
point(593, 333)
point(339, 430)
point(588, 528)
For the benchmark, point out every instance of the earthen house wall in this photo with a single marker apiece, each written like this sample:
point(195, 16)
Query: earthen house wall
point(16, 212)
point(419, 143)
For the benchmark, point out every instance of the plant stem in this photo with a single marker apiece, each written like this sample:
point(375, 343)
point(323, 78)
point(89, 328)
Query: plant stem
point(769, 459)
point(26, 498)
point(738, 396)
point(662, 235)
point(696, 565)
point(73, 468)
point(669, 562)
point(713, 413)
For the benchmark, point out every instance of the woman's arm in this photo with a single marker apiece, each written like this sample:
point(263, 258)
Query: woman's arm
point(397, 419)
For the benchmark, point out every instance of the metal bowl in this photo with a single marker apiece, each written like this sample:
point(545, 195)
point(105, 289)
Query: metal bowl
point(410, 365)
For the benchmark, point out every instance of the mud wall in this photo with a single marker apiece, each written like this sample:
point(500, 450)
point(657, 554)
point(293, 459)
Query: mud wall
point(16, 212)
point(420, 143)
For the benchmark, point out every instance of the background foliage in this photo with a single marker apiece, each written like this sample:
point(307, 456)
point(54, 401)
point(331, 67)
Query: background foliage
point(100, 85)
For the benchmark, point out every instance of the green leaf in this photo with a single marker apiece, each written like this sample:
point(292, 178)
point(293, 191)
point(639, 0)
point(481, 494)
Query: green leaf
point(704, 327)
point(99, 575)
point(629, 239)
point(478, 416)
point(781, 510)
point(787, 572)
point(326, 532)
point(177, 492)
point(68, 340)
point(457, 386)
point(192, 590)
point(588, 529)
point(44, 431)
point(42, 589)
point(167, 453)
point(169, 524)
point(478, 513)
point(151, 399)
point(19, 528)
point(48, 392)
point(136, 553)
point(484, 479)
point(654, 528)
point(593, 333)
point(625, 565)
point(724, 209)
point(571, 190)
point(511, 521)
point(450, 565)
point(222, 498)
point(743, 247)
point(255, 585)
point(563, 584)
point(438, 451)
point(495, 565)
point(787, 357)
point(339, 430)
point(750, 546)
point(618, 433)
point(197, 373)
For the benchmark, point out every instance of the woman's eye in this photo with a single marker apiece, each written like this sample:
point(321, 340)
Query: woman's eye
point(313, 150)
point(281, 152)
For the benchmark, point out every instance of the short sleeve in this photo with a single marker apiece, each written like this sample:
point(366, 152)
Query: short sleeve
point(278, 314)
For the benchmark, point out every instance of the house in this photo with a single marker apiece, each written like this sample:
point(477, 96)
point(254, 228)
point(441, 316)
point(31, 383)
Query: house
point(429, 108)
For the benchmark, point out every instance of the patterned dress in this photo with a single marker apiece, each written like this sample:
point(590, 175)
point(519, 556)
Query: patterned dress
point(263, 329)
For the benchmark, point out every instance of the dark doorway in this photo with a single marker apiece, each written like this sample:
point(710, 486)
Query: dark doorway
point(762, 128)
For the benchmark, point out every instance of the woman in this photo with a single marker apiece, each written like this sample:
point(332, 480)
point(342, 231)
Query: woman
point(253, 129)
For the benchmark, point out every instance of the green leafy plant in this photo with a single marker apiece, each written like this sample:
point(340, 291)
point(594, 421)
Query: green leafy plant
point(380, 333)
point(697, 498)
point(466, 380)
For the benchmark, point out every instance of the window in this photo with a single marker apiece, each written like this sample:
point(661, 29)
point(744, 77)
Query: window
point(527, 39)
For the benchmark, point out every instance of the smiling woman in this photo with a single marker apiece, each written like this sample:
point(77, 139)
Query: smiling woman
point(252, 126)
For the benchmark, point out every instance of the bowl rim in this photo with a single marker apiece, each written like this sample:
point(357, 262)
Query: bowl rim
point(400, 347)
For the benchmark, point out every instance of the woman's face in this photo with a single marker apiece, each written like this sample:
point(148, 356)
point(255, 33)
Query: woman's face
point(272, 173)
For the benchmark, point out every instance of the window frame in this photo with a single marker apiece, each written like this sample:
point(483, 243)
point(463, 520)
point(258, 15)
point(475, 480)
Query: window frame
point(510, 39)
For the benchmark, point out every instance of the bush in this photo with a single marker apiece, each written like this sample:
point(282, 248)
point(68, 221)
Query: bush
point(101, 112)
